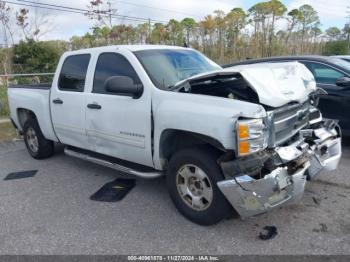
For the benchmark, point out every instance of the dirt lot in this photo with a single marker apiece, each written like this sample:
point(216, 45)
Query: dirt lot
point(7, 132)
point(51, 213)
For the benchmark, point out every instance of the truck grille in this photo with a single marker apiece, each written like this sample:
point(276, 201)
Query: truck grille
point(285, 122)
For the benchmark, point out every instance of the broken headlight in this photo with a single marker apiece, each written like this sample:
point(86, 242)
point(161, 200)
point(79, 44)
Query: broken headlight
point(251, 136)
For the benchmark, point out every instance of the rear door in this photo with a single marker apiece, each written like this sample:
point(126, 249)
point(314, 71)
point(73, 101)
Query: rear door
point(117, 125)
point(68, 101)
point(336, 104)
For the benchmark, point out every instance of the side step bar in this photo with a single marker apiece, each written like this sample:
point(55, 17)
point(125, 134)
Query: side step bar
point(112, 165)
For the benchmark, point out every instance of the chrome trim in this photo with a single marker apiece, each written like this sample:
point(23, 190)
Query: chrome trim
point(251, 196)
point(114, 166)
point(289, 119)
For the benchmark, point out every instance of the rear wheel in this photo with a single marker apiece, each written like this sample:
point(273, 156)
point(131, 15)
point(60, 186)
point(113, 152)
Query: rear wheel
point(192, 178)
point(37, 145)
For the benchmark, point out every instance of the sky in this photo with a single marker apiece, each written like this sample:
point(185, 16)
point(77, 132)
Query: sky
point(66, 25)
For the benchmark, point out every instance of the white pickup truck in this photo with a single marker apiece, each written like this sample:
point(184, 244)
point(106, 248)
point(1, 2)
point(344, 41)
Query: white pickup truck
point(242, 140)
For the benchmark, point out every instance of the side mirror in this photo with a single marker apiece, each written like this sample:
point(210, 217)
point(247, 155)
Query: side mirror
point(343, 82)
point(123, 85)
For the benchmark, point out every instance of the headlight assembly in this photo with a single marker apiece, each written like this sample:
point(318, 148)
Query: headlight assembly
point(251, 136)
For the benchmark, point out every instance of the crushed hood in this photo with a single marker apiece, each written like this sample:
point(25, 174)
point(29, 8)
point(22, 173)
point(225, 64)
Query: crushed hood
point(276, 84)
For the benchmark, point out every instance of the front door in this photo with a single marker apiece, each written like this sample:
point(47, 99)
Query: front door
point(117, 125)
point(68, 103)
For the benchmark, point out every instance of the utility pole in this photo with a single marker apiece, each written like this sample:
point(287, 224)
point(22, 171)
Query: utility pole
point(110, 13)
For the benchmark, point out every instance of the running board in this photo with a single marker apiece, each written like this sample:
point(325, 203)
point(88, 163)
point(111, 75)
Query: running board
point(110, 164)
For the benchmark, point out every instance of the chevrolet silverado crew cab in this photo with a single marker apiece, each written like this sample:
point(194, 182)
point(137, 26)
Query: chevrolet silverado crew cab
point(241, 140)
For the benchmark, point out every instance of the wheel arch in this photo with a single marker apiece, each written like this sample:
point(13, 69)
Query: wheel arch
point(23, 115)
point(173, 140)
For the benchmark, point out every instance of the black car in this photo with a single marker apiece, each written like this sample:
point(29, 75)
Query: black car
point(331, 74)
point(343, 57)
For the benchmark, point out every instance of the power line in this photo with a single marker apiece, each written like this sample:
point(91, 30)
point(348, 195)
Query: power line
point(52, 5)
point(88, 11)
point(157, 8)
point(79, 10)
point(29, 5)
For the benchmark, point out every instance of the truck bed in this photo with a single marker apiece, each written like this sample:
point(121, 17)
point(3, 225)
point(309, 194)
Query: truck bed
point(36, 99)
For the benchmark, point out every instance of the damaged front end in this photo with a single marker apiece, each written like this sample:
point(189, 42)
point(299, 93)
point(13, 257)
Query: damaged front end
point(262, 181)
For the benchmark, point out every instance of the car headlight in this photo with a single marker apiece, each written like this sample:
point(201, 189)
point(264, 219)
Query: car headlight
point(251, 136)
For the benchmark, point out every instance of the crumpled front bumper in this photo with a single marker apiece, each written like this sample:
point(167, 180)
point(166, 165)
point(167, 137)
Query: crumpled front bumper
point(320, 149)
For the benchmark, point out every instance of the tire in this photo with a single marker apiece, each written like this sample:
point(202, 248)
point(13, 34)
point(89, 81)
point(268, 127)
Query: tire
point(212, 207)
point(37, 145)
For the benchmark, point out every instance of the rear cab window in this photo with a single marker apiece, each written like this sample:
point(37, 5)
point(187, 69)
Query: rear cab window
point(73, 73)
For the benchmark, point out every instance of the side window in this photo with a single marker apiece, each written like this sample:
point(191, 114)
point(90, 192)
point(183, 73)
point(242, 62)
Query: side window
point(112, 64)
point(322, 73)
point(73, 73)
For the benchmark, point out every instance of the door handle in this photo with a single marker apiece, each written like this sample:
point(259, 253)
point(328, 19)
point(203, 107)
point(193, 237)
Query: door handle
point(94, 106)
point(57, 101)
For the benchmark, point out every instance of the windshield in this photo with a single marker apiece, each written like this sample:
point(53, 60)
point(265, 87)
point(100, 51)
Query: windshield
point(342, 63)
point(166, 67)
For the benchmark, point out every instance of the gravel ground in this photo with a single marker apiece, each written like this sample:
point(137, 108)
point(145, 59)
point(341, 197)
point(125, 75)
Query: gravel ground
point(51, 213)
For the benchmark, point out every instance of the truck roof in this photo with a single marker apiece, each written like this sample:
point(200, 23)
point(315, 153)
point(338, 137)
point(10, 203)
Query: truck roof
point(125, 47)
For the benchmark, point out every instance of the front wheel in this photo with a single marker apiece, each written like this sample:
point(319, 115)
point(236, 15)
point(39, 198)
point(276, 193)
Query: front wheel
point(37, 145)
point(192, 178)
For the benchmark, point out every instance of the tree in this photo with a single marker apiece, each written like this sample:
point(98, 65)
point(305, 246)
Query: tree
point(6, 53)
point(143, 31)
point(207, 27)
point(22, 21)
point(102, 35)
point(101, 12)
point(188, 24)
point(220, 20)
point(335, 48)
point(308, 18)
point(5, 16)
point(276, 10)
point(223, 37)
point(346, 31)
point(33, 28)
point(35, 57)
point(236, 20)
point(259, 14)
point(333, 33)
point(293, 17)
point(159, 33)
point(175, 30)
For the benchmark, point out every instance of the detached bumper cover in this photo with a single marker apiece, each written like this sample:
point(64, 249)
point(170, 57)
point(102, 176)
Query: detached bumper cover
point(326, 153)
point(250, 196)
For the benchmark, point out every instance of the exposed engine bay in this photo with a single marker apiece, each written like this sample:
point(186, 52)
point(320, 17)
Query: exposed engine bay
point(273, 85)
point(227, 86)
point(277, 153)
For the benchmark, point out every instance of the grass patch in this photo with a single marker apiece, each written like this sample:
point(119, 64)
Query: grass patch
point(4, 105)
point(7, 132)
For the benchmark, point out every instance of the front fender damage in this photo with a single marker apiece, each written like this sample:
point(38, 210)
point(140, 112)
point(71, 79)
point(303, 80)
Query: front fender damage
point(276, 177)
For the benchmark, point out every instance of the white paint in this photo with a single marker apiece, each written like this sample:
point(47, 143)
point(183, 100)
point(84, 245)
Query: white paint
point(278, 83)
point(108, 130)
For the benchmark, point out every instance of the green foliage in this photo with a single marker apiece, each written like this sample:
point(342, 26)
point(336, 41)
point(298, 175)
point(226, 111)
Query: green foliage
point(189, 25)
point(224, 37)
point(308, 16)
point(335, 48)
point(4, 107)
point(333, 32)
point(36, 57)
